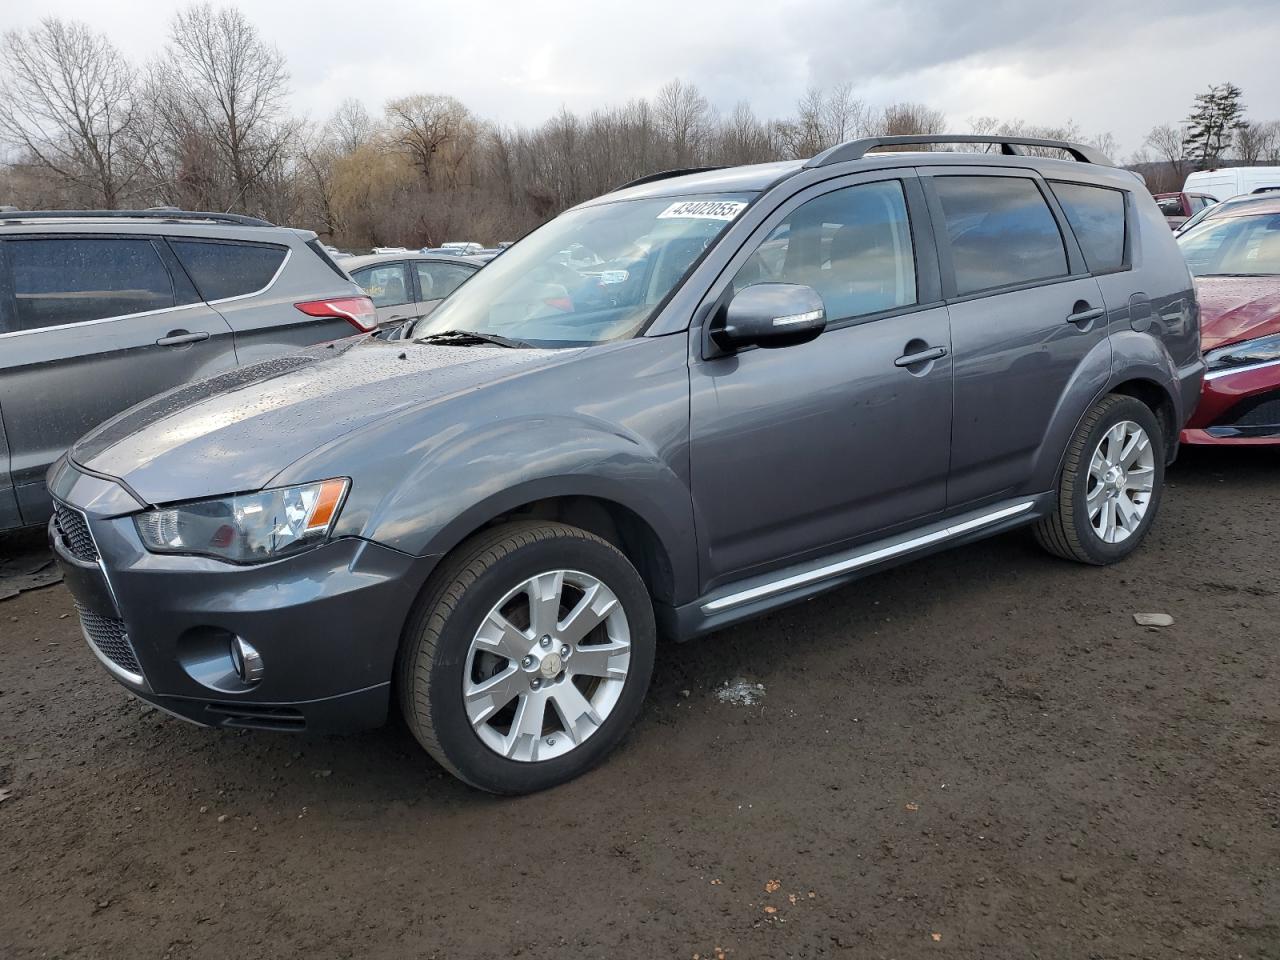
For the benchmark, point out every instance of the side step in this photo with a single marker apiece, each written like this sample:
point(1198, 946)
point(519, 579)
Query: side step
point(754, 595)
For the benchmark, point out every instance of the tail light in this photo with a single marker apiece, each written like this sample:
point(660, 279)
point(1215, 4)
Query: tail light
point(357, 311)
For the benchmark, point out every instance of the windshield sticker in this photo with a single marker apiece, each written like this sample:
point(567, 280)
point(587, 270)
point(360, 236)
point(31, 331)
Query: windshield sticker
point(703, 210)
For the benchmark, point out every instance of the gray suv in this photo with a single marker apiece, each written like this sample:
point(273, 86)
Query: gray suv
point(102, 309)
point(745, 387)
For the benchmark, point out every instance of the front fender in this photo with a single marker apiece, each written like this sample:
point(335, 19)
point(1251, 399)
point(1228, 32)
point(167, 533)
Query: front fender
point(461, 485)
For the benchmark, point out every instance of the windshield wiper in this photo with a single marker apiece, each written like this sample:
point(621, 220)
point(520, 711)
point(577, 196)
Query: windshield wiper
point(461, 337)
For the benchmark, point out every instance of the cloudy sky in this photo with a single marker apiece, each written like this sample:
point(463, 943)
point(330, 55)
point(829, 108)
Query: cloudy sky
point(1111, 65)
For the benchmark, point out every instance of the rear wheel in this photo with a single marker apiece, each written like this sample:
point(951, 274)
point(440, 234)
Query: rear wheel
point(1110, 486)
point(528, 657)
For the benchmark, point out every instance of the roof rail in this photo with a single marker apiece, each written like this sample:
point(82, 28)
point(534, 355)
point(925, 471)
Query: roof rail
point(665, 175)
point(857, 149)
point(155, 213)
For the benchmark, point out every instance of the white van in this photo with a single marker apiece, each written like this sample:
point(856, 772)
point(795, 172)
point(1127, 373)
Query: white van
point(1227, 182)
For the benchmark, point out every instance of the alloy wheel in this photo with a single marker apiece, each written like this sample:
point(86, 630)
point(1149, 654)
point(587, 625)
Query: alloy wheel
point(547, 665)
point(1121, 479)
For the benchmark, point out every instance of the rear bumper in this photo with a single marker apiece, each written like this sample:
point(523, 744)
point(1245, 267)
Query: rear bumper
point(327, 624)
point(1238, 408)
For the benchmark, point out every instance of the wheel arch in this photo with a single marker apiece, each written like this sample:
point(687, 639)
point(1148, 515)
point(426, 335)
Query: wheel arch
point(644, 539)
point(1160, 401)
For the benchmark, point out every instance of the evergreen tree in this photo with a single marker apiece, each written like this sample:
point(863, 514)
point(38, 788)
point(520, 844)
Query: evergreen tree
point(1218, 114)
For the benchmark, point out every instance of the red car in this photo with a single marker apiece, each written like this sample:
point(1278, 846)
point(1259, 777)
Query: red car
point(1235, 257)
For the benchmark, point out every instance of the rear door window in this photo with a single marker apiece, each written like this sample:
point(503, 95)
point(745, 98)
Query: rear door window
point(224, 269)
point(57, 281)
point(438, 280)
point(1001, 232)
point(1096, 216)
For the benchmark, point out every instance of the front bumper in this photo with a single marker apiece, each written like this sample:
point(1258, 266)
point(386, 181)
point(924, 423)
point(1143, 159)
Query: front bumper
point(326, 622)
point(1238, 408)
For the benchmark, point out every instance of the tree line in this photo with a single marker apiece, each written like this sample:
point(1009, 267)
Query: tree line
point(1217, 133)
point(207, 125)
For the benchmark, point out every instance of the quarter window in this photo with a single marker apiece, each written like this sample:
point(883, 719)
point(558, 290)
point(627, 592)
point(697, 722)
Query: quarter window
point(1096, 215)
point(223, 270)
point(853, 246)
point(1001, 232)
point(60, 281)
point(387, 284)
point(438, 280)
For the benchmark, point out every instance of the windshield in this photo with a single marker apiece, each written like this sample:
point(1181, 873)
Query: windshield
point(591, 275)
point(1234, 247)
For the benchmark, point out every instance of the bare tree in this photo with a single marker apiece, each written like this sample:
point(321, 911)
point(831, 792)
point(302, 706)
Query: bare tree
point(684, 118)
point(350, 127)
point(907, 119)
point(68, 101)
point(222, 84)
point(424, 125)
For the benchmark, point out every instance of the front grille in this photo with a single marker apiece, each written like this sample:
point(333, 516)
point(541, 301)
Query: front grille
point(1262, 413)
point(108, 636)
point(74, 530)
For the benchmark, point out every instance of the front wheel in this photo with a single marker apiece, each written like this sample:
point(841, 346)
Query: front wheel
point(1110, 486)
point(528, 657)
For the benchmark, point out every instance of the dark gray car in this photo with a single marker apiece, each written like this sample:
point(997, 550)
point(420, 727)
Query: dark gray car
point(746, 387)
point(99, 310)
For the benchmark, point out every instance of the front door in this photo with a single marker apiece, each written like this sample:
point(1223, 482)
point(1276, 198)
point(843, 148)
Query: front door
point(801, 450)
point(391, 289)
point(89, 326)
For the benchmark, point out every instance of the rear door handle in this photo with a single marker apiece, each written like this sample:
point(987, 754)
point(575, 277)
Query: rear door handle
point(176, 338)
point(1087, 316)
point(924, 356)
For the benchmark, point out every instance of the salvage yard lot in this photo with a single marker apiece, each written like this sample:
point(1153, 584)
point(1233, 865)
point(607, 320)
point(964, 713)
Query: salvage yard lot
point(979, 755)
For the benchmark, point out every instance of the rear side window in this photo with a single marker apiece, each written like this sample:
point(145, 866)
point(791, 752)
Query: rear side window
point(221, 269)
point(59, 281)
point(1096, 215)
point(438, 280)
point(1001, 232)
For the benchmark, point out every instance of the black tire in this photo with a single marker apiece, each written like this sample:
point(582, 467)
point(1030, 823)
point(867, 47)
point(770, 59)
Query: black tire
point(439, 633)
point(1067, 532)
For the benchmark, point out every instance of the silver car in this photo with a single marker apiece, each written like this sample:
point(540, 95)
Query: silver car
point(102, 309)
point(407, 286)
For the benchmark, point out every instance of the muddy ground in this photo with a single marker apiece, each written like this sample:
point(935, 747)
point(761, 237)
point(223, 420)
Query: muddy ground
point(978, 755)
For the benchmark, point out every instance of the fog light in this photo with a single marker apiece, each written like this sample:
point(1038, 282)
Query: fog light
point(246, 660)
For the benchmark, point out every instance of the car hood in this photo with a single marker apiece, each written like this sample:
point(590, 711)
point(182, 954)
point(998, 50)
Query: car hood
point(1233, 309)
point(232, 433)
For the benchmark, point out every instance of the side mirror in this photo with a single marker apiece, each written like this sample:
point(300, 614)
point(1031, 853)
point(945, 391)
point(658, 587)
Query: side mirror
point(771, 315)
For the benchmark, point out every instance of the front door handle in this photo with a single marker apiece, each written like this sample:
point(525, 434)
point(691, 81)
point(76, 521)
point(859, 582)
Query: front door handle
point(924, 356)
point(176, 338)
point(1087, 315)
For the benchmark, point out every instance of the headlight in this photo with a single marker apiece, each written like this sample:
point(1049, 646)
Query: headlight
point(251, 528)
point(1262, 350)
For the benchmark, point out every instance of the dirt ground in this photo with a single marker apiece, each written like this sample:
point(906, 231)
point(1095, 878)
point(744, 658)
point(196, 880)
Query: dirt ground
point(978, 755)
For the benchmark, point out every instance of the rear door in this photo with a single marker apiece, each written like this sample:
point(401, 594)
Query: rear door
point(254, 286)
point(92, 325)
point(436, 279)
point(1025, 316)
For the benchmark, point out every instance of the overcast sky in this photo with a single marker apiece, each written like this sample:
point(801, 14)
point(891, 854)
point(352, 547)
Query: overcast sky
point(1111, 65)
